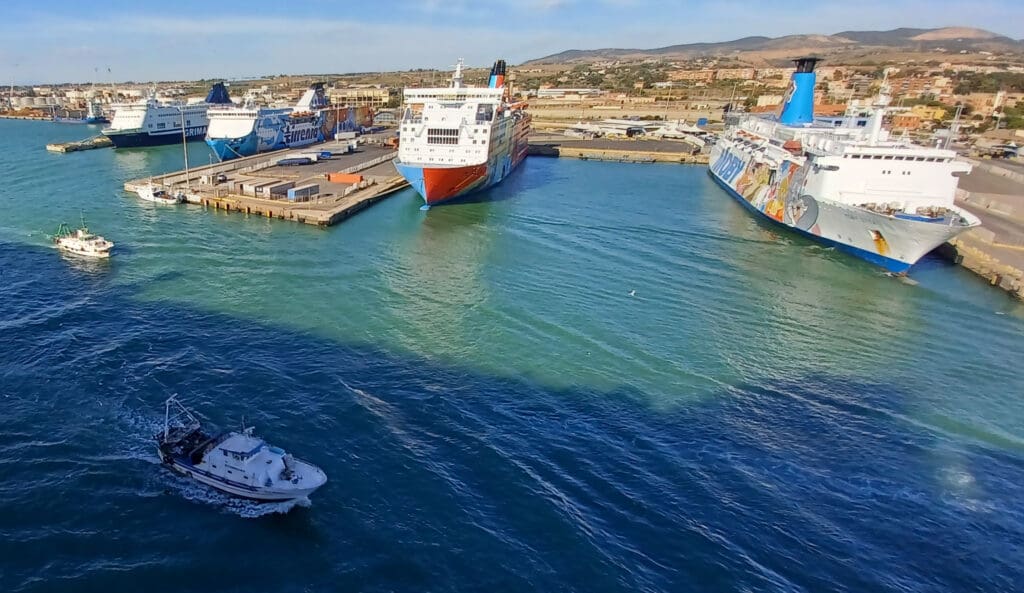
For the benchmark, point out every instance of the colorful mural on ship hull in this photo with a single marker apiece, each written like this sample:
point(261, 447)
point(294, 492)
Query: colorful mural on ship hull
point(775, 193)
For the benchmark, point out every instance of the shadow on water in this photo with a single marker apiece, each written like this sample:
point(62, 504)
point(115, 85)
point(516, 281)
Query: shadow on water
point(446, 479)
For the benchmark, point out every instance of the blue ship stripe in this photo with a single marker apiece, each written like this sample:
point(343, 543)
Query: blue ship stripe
point(892, 265)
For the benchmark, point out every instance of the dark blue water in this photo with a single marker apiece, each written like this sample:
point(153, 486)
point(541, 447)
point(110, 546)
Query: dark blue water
point(493, 409)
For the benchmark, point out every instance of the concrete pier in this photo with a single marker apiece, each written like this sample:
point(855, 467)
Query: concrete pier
point(99, 141)
point(345, 183)
point(994, 192)
point(623, 151)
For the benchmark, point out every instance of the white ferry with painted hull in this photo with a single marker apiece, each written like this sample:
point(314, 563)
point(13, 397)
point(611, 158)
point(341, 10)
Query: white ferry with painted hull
point(855, 188)
point(247, 130)
point(153, 123)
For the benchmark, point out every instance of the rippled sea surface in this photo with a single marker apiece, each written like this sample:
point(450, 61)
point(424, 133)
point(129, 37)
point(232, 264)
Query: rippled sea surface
point(598, 377)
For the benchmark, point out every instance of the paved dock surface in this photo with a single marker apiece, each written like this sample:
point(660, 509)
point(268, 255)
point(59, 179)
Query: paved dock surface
point(994, 192)
point(612, 149)
point(982, 181)
point(227, 185)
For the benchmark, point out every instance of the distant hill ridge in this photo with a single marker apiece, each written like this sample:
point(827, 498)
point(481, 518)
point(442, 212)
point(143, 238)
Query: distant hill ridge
point(952, 39)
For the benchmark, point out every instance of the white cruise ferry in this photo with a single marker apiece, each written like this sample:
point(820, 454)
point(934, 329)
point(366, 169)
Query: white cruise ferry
point(457, 140)
point(882, 199)
point(249, 129)
point(150, 122)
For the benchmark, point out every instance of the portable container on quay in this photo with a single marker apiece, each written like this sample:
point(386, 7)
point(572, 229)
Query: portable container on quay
point(303, 192)
point(277, 189)
point(249, 187)
point(352, 178)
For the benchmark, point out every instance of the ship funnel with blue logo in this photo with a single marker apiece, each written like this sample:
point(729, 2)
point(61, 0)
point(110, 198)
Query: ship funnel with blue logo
point(497, 79)
point(798, 107)
point(218, 94)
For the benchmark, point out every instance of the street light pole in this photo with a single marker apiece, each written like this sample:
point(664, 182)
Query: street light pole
point(954, 128)
point(184, 145)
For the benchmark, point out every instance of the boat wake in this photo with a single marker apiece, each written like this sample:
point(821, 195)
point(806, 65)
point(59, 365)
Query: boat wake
point(248, 509)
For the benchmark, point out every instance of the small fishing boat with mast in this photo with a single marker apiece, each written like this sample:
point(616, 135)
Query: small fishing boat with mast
point(157, 194)
point(237, 463)
point(81, 242)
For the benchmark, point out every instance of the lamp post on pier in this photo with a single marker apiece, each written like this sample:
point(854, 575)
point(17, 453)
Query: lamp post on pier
point(184, 144)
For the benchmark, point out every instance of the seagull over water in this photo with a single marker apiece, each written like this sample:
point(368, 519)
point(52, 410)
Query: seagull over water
point(632, 293)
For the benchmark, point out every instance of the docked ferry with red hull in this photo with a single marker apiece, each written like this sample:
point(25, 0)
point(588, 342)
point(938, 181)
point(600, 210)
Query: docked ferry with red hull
point(458, 140)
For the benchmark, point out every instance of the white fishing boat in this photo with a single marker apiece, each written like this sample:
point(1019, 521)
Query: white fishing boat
point(152, 192)
point(81, 241)
point(237, 463)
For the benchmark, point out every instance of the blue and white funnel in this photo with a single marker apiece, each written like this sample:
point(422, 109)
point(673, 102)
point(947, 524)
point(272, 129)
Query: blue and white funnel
point(798, 107)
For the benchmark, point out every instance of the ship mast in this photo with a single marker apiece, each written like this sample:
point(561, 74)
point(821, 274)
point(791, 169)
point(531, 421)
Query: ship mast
point(12, 88)
point(457, 77)
point(881, 103)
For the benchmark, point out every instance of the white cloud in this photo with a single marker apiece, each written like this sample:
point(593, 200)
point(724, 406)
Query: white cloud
point(154, 47)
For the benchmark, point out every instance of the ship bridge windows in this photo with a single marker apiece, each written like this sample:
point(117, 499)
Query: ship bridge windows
point(442, 135)
point(484, 113)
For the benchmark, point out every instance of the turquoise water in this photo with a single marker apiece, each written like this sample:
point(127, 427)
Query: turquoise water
point(597, 376)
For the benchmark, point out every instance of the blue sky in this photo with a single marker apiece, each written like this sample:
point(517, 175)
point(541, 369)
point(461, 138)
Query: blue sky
point(67, 40)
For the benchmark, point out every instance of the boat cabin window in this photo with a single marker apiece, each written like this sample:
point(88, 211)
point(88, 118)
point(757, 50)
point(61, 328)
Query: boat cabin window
point(442, 136)
point(235, 455)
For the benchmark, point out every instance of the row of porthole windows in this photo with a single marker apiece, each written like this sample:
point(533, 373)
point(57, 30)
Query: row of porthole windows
point(188, 122)
point(889, 172)
point(432, 160)
point(890, 157)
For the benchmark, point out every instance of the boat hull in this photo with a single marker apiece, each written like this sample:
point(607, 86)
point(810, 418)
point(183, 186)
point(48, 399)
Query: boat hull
point(892, 243)
point(83, 253)
point(231, 148)
point(442, 184)
point(233, 488)
point(140, 139)
point(151, 194)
